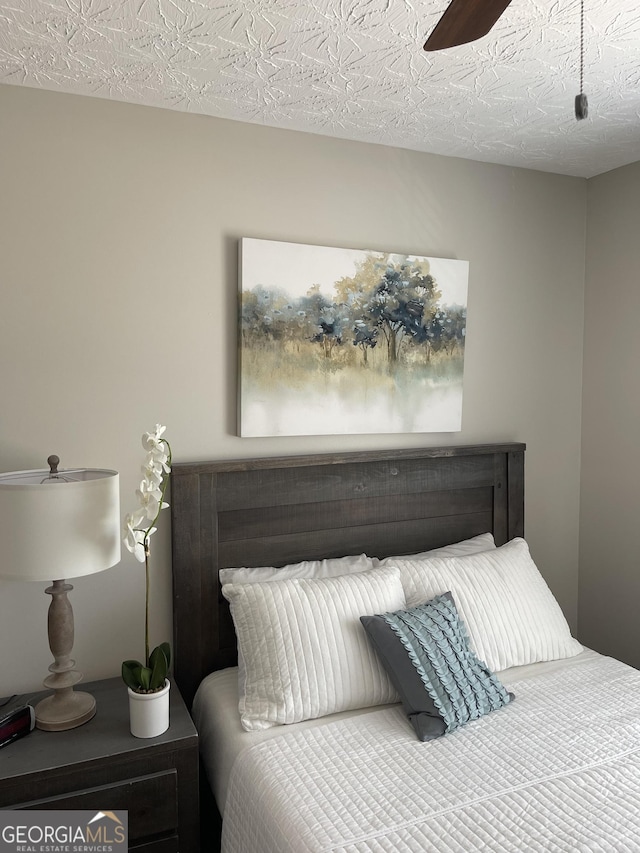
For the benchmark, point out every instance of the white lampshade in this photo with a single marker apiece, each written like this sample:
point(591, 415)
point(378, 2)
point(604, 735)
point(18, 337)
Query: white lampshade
point(62, 527)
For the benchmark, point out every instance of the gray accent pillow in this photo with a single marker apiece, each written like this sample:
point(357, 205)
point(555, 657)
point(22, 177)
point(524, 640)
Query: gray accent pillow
point(417, 703)
point(441, 682)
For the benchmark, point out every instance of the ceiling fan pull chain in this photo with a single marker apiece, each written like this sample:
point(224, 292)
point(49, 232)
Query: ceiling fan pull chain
point(582, 45)
point(581, 105)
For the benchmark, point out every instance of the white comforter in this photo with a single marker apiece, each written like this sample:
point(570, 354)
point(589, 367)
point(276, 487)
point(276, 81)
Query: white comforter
point(557, 770)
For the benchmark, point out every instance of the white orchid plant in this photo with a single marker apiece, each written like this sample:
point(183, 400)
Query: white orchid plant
point(139, 527)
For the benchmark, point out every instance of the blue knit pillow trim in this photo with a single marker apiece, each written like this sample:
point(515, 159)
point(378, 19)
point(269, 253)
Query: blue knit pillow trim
point(461, 686)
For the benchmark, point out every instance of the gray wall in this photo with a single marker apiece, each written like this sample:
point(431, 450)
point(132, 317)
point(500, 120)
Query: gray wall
point(609, 560)
point(118, 230)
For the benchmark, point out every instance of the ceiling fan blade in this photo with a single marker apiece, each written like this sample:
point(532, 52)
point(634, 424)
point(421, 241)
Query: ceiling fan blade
point(464, 21)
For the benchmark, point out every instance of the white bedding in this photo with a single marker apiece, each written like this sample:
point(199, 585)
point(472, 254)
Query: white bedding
point(558, 770)
point(222, 738)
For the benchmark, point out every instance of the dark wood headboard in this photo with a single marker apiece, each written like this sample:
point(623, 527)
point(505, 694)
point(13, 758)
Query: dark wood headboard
point(274, 511)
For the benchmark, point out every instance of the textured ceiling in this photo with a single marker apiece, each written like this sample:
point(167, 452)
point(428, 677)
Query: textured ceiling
point(353, 69)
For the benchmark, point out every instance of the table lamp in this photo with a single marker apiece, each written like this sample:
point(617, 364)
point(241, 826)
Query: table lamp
point(56, 525)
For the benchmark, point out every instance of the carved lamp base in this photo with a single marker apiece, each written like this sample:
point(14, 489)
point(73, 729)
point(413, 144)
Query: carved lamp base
point(66, 709)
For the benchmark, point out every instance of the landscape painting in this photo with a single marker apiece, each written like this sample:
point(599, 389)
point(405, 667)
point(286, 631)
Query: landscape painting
point(336, 341)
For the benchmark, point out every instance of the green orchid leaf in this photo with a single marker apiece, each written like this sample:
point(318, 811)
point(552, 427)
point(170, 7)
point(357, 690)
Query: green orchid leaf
point(166, 648)
point(159, 667)
point(131, 673)
point(145, 678)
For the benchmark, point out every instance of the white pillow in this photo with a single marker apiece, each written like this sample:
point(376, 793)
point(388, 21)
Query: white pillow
point(305, 651)
point(483, 542)
point(307, 569)
point(511, 615)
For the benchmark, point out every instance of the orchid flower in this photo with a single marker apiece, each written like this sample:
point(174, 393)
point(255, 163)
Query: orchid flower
point(152, 471)
point(139, 525)
point(150, 497)
point(154, 440)
point(134, 538)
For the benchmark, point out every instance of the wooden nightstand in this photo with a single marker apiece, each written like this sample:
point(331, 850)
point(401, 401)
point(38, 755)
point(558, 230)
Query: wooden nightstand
point(100, 765)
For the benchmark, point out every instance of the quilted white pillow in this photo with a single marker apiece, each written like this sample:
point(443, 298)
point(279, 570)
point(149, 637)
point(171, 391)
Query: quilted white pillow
point(306, 569)
point(305, 651)
point(510, 612)
point(483, 542)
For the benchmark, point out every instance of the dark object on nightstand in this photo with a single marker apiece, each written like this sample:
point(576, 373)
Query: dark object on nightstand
point(16, 724)
point(102, 766)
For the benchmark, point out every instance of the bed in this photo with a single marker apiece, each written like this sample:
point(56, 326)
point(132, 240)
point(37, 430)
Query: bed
point(552, 764)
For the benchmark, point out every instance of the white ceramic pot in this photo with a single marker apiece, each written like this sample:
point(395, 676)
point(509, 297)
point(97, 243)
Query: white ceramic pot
point(149, 712)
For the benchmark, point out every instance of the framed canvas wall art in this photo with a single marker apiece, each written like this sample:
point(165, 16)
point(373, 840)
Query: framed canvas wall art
point(336, 341)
